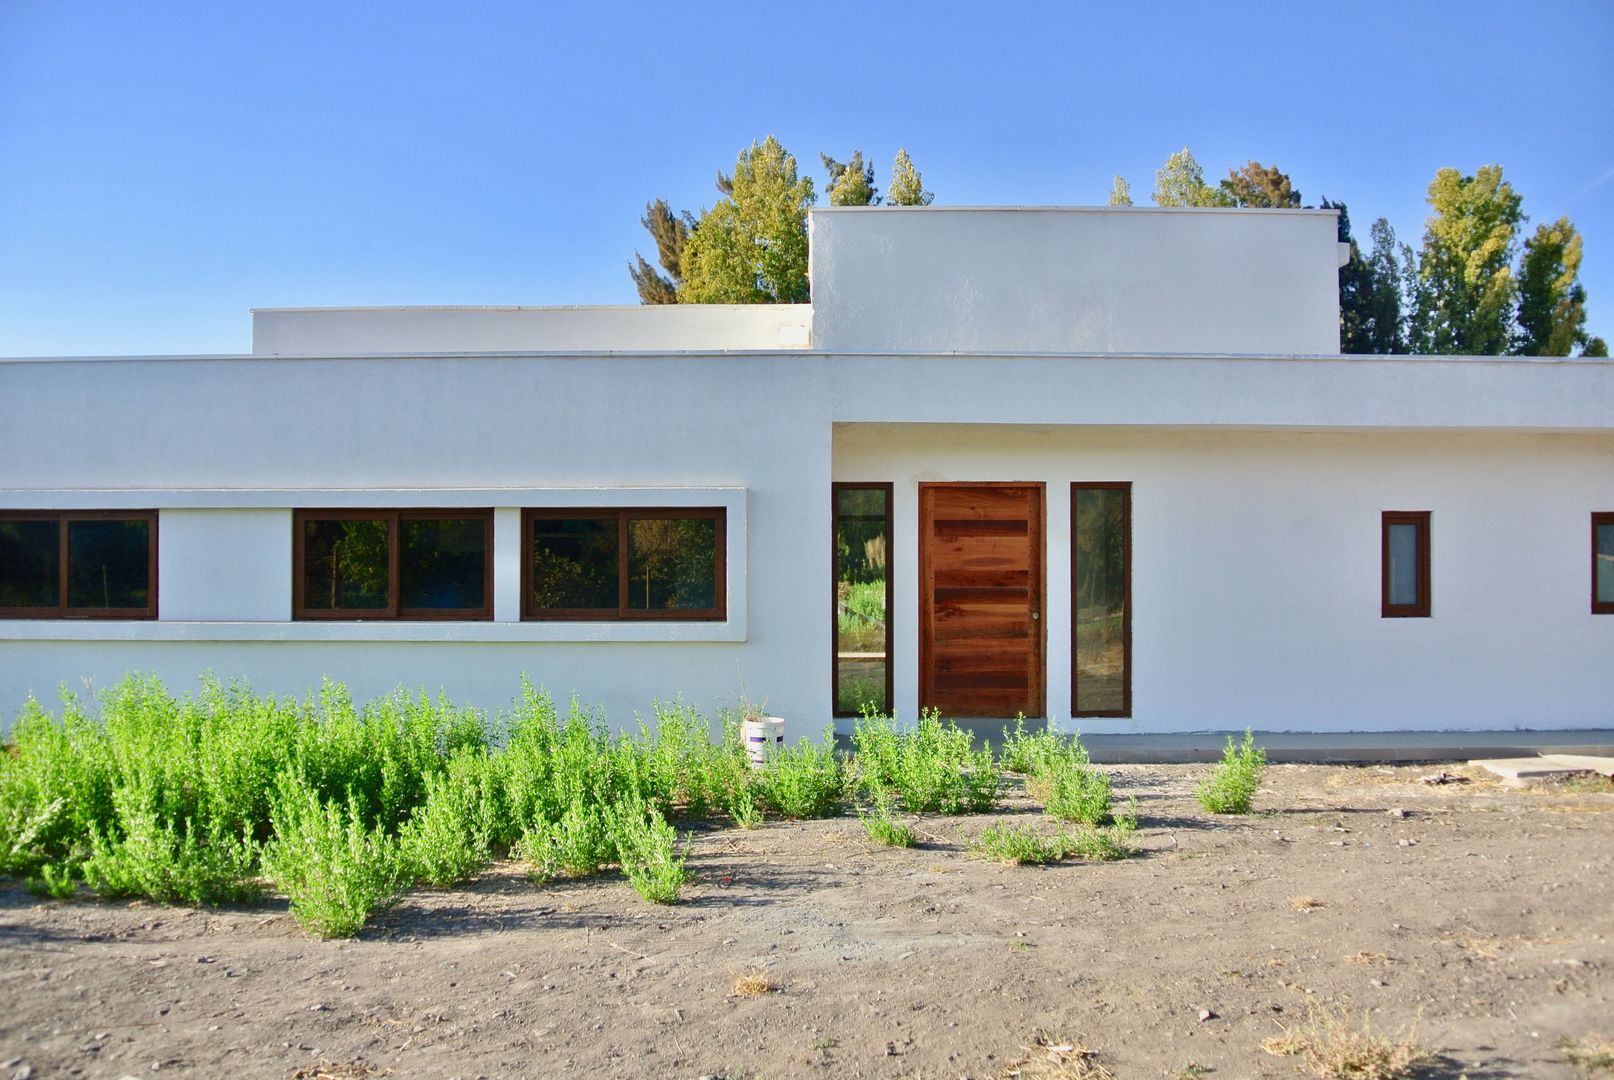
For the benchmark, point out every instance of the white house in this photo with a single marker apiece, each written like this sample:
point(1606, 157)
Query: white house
point(1104, 466)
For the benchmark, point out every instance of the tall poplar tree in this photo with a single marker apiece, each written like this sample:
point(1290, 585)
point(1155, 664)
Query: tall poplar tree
point(1181, 182)
point(1552, 302)
point(751, 248)
point(1120, 192)
point(1465, 269)
point(851, 184)
point(907, 188)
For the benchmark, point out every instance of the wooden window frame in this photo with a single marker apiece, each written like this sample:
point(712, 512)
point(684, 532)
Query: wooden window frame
point(836, 488)
point(1125, 488)
point(622, 613)
point(1422, 607)
point(62, 518)
point(393, 611)
point(1600, 518)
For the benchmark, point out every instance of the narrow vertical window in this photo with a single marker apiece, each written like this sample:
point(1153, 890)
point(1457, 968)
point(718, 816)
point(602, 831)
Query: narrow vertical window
point(1405, 543)
point(1603, 564)
point(1101, 600)
point(862, 601)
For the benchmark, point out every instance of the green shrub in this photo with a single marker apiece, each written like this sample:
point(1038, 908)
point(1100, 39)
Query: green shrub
point(57, 880)
point(931, 768)
point(1078, 793)
point(883, 827)
point(335, 871)
point(577, 844)
point(1108, 842)
point(189, 861)
point(1020, 845)
point(648, 850)
point(1040, 753)
point(1231, 788)
point(744, 806)
point(450, 836)
point(804, 781)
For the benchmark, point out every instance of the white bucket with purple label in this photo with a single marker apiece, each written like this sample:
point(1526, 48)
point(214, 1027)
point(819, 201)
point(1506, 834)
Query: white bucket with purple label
point(761, 737)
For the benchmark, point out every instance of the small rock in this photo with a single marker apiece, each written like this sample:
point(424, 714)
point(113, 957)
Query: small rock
point(1397, 812)
point(1379, 982)
point(23, 1072)
point(1206, 1014)
point(890, 1049)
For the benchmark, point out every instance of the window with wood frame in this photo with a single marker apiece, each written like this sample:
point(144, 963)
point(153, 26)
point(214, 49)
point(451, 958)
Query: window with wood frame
point(1405, 588)
point(862, 601)
point(1101, 599)
point(1603, 563)
point(657, 563)
point(78, 564)
point(392, 564)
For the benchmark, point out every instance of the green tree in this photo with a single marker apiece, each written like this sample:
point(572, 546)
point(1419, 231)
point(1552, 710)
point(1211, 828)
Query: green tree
point(851, 184)
point(1552, 302)
point(670, 232)
point(1181, 182)
point(751, 248)
point(1466, 287)
point(1355, 286)
point(1120, 192)
point(907, 188)
point(1258, 185)
point(1381, 324)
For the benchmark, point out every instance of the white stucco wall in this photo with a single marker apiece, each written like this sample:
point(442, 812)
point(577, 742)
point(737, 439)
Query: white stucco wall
point(1511, 457)
point(662, 328)
point(1083, 279)
point(1256, 570)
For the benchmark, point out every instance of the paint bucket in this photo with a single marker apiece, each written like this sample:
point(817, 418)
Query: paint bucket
point(761, 737)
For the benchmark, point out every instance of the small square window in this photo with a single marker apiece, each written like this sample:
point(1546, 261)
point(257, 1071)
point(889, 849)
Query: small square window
point(89, 564)
point(1405, 553)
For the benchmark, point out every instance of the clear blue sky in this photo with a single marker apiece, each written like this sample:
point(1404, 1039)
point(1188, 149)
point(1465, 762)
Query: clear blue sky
point(165, 166)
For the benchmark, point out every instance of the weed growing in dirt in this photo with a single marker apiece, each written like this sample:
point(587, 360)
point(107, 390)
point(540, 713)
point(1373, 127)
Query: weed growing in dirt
point(450, 836)
point(804, 781)
point(1038, 754)
point(1231, 788)
point(1106, 843)
point(1592, 1053)
point(335, 871)
point(1049, 1058)
point(1334, 1044)
point(883, 826)
point(743, 807)
point(754, 983)
point(1077, 792)
point(55, 880)
point(648, 850)
point(579, 843)
point(1305, 903)
point(1020, 845)
point(931, 768)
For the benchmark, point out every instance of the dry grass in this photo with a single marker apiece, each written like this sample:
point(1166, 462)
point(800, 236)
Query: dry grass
point(1048, 1058)
point(1367, 958)
point(333, 1070)
point(1305, 903)
point(1334, 1044)
point(1592, 1053)
point(754, 983)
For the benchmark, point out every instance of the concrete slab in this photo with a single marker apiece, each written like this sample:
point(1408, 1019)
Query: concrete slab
point(1525, 770)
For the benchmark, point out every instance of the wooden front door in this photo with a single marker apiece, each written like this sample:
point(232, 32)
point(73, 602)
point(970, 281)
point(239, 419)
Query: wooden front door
point(980, 599)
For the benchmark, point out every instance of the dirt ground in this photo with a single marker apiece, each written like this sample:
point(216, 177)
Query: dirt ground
point(1483, 916)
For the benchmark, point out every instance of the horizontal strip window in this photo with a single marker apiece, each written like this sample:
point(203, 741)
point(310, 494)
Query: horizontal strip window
point(392, 564)
point(657, 563)
point(1405, 591)
point(1603, 564)
point(79, 564)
